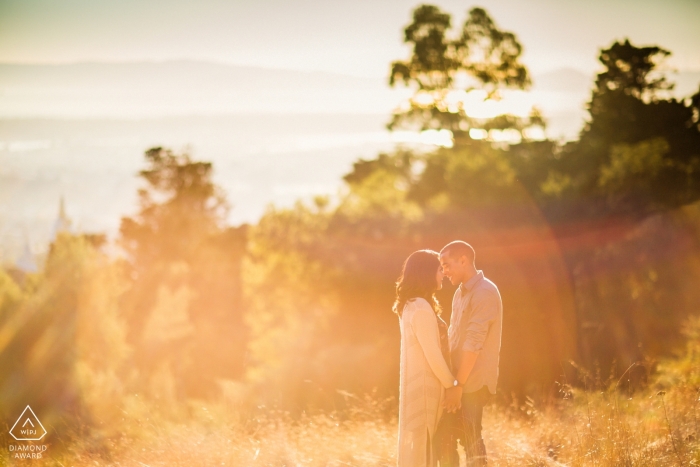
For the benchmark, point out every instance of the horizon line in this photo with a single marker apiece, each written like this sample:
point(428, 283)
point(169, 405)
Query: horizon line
point(161, 61)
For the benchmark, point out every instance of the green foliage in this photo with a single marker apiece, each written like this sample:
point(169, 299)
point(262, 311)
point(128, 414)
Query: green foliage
point(481, 56)
point(684, 369)
point(490, 54)
point(555, 185)
point(636, 287)
point(638, 152)
point(633, 169)
point(632, 71)
point(399, 164)
point(628, 162)
point(399, 186)
point(482, 51)
point(178, 207)
point(379, 189)
point(429, 67)
point(62, 347)
point(474, 175)
point(10, 294)
point(288, 301)
point(183, 307)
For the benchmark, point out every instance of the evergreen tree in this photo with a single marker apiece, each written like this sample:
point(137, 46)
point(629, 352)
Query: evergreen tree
point(184, 308)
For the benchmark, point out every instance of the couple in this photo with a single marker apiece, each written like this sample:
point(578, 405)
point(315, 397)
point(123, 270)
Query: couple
point(447, 374)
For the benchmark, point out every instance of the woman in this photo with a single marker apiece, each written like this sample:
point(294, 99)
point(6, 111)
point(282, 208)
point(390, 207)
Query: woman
point(425, 372)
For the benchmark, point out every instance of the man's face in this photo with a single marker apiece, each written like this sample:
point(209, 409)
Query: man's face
point(452, 267)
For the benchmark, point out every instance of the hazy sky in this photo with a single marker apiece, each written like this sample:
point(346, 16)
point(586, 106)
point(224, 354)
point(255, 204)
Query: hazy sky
point(358, 37)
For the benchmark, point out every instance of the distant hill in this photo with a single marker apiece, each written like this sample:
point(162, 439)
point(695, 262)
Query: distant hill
point(574, 81)
point(138, 89)
point(186, 88)
point(564, 80)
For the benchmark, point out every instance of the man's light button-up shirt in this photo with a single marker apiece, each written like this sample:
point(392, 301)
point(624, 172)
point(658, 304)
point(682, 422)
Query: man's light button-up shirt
point(476, 325)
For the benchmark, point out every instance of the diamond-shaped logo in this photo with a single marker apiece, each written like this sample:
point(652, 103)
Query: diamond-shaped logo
point(28, 427)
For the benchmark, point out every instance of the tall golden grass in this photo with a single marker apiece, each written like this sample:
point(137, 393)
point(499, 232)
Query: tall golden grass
point(605, 424)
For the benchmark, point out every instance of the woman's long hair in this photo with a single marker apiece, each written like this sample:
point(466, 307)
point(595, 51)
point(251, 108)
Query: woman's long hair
point(418, 280)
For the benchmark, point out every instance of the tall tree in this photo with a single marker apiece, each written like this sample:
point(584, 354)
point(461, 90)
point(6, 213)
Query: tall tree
point(640, 150)
point(441, 69)
point(633, 71)
point(184, 307)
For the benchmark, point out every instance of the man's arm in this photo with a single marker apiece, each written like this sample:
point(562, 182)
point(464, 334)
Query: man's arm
point(485, 308)
point(468, 361)
point(453, 395)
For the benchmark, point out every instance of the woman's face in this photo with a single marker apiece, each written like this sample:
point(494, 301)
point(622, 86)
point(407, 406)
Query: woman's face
point(438, 277)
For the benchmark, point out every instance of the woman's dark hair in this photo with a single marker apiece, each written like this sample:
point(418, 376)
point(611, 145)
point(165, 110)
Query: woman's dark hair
point(418, 280)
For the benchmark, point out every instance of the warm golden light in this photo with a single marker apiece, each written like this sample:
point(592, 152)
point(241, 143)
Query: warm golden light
point(324, 234)
point(440, 138)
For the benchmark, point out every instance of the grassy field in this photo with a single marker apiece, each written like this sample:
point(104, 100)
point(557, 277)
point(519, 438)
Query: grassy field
point(587, 429)
point(658, 425)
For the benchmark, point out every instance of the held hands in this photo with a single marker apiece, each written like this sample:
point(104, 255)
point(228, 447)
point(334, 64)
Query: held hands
point(453, 399)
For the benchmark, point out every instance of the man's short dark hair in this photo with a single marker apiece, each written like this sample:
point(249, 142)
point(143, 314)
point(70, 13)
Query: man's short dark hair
point(459, 248)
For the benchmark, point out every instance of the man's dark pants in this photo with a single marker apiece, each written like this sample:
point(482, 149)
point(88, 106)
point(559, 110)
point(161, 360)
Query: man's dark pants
point(465, 426)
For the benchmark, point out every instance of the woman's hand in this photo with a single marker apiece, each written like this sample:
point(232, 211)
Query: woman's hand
point(453, 399)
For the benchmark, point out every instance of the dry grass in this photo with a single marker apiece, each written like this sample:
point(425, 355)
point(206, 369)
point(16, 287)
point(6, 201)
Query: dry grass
point(584, 429)
point(656, 426)
point(599, 429)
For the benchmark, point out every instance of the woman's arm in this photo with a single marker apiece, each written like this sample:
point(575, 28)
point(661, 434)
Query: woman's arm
point(425, 327)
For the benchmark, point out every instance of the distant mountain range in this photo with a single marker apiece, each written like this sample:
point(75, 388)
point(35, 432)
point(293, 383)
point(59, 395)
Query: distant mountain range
point(185, 87)
point(169, 88)
point(570, 80)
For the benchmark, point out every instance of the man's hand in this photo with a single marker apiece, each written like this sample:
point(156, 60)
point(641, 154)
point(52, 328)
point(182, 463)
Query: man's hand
point(453, 399)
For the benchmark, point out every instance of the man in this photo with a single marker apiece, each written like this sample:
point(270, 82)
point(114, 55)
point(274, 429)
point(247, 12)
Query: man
point(475, 343)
